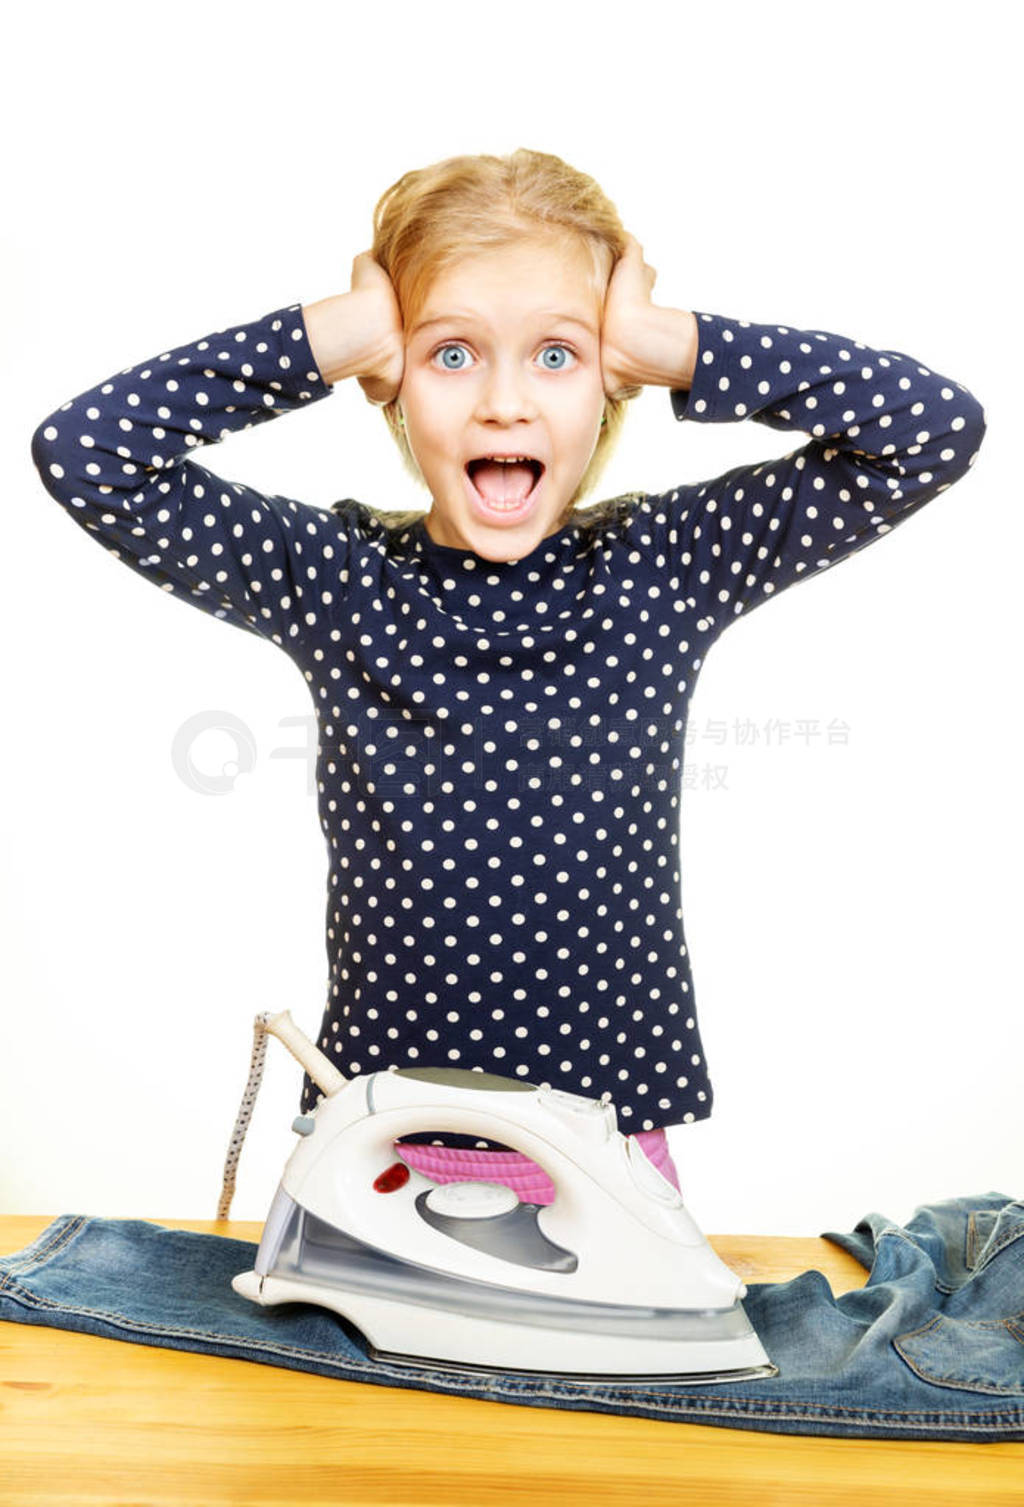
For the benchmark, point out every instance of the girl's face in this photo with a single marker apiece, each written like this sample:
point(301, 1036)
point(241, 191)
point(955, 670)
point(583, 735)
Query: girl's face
point(504, 358)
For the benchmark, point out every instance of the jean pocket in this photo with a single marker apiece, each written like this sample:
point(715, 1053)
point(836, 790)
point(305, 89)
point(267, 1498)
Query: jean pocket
point(973, 1355)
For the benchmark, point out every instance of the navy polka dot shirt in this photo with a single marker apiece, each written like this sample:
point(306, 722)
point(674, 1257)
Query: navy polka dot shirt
point(500, 746)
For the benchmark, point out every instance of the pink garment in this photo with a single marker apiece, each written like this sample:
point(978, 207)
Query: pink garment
point(453, 1164)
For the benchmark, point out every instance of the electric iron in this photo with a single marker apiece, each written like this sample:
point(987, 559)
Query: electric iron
point(612, 1282)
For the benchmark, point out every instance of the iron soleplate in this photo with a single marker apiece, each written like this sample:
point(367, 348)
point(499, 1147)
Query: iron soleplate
point(606, 1379)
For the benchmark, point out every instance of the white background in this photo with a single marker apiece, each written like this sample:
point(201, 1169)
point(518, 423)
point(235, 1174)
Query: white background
point(852, 907)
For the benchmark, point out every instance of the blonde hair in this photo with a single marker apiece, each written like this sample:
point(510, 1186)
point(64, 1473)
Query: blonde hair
point(433, 217)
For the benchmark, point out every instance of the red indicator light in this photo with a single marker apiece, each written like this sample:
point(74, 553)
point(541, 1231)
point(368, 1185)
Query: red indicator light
point(396, 1176)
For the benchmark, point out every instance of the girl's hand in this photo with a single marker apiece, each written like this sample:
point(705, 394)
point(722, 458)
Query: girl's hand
point(373, 297)
point(627, 305)
point(642, 343)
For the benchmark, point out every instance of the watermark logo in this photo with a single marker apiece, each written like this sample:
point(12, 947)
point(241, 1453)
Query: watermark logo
point(194, 752)
point(395, 757)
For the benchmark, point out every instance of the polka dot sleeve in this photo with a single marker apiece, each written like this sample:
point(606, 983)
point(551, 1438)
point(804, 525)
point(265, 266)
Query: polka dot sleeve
point(117, 458)
point(889, 434)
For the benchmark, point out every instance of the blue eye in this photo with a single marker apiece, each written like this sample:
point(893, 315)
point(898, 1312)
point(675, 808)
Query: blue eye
point(549, 349)
point(451, 346)
point(456, 345)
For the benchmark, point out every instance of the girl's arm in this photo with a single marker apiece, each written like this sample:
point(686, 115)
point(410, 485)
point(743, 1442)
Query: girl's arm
point(890, 433)
point(118, 459)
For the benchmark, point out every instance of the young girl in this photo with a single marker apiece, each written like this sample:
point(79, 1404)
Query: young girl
point(502, 682)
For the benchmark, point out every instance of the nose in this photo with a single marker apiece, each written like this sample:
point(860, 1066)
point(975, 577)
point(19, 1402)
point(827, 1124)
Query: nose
point(505, 395)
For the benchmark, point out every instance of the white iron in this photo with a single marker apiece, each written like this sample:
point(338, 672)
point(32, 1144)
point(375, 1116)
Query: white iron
point(611, 1282)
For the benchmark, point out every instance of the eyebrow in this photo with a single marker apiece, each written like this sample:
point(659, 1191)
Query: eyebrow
point(549, 316)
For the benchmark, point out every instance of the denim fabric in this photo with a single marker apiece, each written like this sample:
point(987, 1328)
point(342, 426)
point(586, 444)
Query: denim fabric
point(931, 1348)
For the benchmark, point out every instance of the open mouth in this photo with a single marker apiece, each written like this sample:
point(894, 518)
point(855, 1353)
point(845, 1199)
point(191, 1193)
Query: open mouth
point(504, 486)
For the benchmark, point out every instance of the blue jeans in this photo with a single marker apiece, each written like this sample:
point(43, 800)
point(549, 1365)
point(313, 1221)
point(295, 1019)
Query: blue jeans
point(931, 1348)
